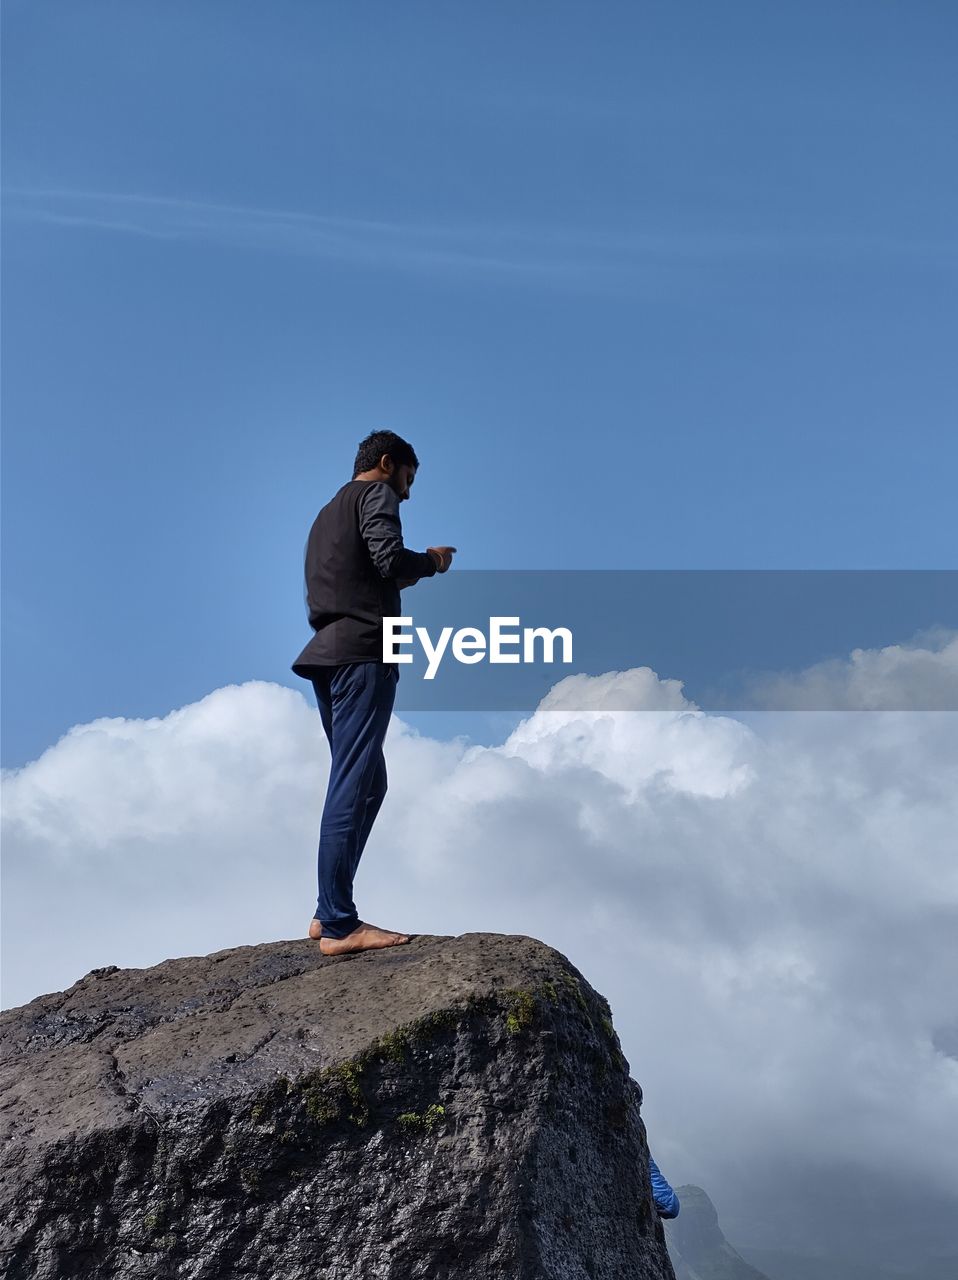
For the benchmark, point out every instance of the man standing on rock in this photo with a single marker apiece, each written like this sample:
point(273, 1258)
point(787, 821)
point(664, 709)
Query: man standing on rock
point(355, 566)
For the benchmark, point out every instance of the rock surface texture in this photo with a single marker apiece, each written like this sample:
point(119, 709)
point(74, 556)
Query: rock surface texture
point(455, 1107)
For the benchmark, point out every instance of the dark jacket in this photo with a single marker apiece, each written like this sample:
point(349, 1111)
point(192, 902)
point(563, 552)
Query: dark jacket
point(353, 560)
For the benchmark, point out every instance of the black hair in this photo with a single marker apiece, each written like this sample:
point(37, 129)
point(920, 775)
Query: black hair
point(372, 448)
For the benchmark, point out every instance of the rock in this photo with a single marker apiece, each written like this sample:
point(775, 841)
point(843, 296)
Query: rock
point(455, 1107)
point(697, 1245)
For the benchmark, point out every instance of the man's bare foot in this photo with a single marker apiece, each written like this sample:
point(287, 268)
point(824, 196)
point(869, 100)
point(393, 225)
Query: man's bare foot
point(315, 929)
point(368, 937)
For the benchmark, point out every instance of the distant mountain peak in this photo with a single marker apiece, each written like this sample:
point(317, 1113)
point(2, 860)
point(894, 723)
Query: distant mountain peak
point(697, 1245)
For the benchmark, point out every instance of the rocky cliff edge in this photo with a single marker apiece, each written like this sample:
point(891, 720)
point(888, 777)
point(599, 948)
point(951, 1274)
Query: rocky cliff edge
point(455, 1107)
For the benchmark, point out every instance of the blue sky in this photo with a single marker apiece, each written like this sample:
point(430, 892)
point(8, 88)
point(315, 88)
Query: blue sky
point(647, 286)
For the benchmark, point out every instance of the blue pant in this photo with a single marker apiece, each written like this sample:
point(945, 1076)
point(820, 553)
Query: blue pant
point(355, 702)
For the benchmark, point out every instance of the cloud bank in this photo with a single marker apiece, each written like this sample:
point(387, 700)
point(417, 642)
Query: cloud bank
point(769, 902)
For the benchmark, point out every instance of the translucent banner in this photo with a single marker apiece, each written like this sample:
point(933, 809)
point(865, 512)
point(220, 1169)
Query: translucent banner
point(743, 639)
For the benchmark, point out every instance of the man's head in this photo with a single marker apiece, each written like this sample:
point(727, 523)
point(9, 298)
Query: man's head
point(383, 455)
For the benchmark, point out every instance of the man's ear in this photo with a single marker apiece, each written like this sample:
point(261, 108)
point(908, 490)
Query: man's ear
point(386, 464)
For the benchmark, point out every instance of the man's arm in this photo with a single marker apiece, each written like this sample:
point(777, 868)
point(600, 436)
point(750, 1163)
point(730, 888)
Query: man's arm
point(443, 559)
point(381, 528)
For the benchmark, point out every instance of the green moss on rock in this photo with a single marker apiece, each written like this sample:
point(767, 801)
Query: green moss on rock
point(412, 1122)
point(520, 1009)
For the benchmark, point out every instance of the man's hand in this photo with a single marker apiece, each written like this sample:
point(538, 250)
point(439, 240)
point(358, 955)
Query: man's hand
point(442, 556)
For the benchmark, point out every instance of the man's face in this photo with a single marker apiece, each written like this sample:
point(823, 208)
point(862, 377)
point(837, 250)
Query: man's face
point(401, 480)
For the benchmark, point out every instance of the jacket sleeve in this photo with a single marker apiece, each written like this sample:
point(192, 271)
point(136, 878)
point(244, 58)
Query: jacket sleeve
point(381, 529)
point(666, 1201)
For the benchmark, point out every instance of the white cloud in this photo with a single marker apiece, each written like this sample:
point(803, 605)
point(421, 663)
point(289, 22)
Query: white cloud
point(921, 675)
point(770, 903)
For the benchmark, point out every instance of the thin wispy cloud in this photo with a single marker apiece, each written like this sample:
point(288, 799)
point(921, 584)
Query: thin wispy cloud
point(359, 241)
point(587, 256)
